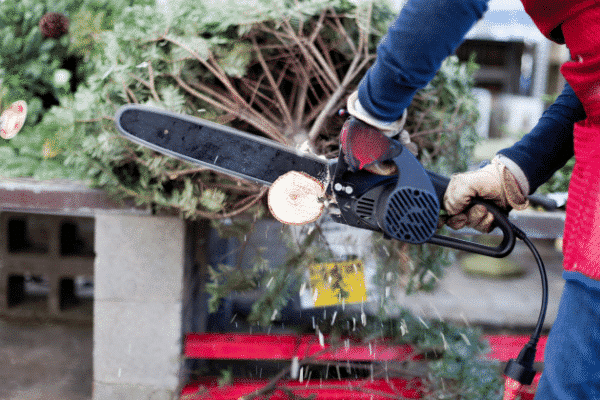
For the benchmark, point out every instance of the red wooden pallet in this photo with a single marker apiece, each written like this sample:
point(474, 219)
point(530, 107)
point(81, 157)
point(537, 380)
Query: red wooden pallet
point(285, 347)
point(230, 346)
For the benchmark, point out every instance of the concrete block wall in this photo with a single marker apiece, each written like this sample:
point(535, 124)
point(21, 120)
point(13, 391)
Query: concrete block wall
point(57, 250)
point(140, 261)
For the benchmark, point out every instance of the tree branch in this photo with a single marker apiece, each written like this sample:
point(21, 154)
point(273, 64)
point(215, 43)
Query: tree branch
point(276, 92)
point(335, 98)
point(229, 106)
point(151, 82)
point(213, 68)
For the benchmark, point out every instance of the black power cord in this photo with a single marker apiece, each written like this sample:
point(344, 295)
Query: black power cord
point(521, 368)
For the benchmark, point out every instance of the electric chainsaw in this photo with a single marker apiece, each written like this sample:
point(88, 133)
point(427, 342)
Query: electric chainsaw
point(405, 206)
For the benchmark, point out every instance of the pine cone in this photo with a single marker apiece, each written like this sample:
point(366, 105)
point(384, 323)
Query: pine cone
point(54, 25)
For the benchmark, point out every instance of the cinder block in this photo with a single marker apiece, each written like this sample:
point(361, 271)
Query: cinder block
point(137, 305)
point(138, 258)
point(137, 343)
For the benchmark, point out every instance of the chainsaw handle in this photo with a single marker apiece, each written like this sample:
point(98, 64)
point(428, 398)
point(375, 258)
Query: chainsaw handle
point(440, 184)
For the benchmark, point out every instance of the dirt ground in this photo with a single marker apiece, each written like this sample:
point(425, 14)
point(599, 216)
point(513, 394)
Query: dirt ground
point(45, 360)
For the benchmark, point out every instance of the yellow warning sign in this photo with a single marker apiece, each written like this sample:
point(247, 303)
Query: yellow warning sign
point(334, 283)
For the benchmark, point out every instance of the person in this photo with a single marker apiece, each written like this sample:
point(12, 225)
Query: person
point(423, 35)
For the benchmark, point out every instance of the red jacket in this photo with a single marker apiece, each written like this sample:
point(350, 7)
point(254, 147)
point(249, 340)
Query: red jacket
point(549, 15)
point(576, 23)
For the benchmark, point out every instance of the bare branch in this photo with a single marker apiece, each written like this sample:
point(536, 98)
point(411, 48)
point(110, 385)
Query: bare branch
point(317, 29)
point(239, 211)
point(282, 104)
point(130, 93)
point(232, 108)
point(177, 174)
point(301, 98)
point(310, 59)
point(335, 97)
point(151, 82)
point(213, 68)
point(343, 32)
point(265, 104)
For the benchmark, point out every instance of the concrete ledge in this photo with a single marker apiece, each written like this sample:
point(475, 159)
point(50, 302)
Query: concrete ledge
point(62, 197)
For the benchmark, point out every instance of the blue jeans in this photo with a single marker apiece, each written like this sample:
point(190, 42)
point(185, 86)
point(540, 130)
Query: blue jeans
point(572, 356)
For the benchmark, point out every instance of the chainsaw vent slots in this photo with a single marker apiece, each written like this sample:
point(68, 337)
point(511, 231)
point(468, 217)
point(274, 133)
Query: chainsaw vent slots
point(411, 216)
point(365, 206)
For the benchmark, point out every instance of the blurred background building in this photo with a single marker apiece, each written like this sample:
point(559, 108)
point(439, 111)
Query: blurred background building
point(519, 72)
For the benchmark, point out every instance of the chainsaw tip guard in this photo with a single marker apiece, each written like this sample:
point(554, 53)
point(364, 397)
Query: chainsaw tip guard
point(406, 206)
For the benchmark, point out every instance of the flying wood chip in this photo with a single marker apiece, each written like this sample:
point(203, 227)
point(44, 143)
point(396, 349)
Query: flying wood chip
point(296, 198)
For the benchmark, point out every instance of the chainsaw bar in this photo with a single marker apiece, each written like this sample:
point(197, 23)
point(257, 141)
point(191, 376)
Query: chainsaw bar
point(217, 147)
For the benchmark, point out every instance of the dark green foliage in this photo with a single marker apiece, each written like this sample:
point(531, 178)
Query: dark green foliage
point(45, 72)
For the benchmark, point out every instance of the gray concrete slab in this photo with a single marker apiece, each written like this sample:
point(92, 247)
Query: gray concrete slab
point(510, 302)
point(43, 361)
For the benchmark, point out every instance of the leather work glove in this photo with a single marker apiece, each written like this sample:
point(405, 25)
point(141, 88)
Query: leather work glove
point(493, 182)
point(368, 143)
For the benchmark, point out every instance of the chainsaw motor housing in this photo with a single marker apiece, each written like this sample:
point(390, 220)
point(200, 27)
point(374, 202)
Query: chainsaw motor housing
point(406, 206)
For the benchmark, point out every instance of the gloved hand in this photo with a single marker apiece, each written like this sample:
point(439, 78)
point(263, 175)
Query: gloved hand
point(493, 182)
point(367, 143)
